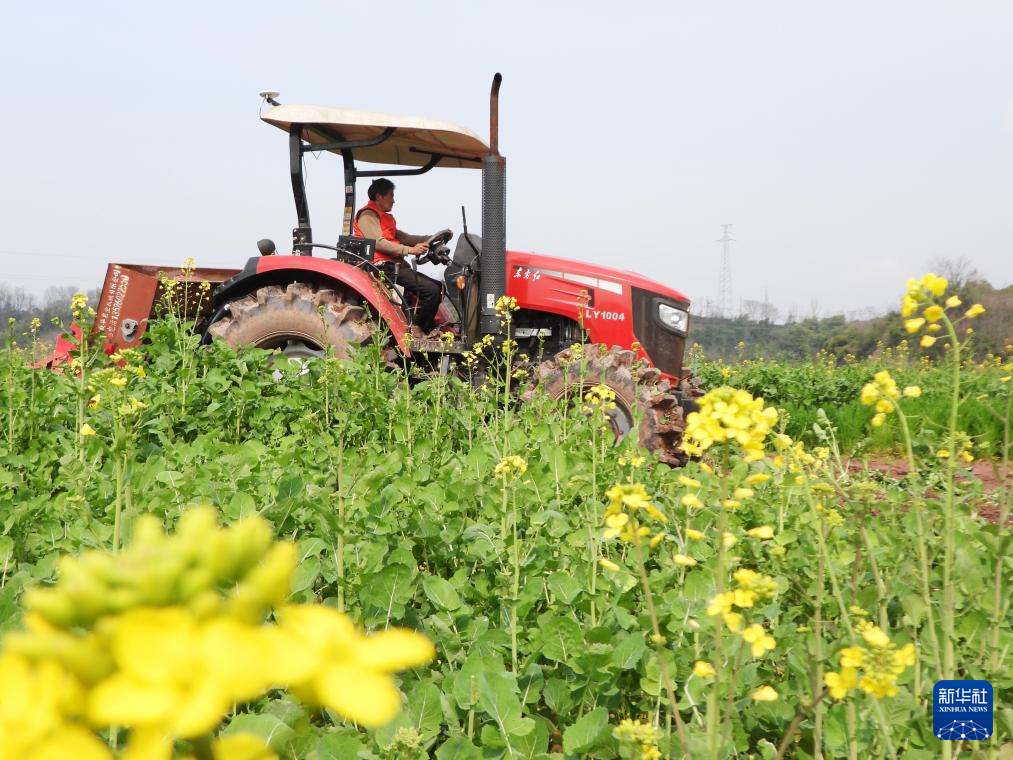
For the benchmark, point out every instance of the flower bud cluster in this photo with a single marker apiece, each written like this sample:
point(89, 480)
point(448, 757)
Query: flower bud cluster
point(873, 668)
point(883, 393)
point(167, 636)
point(629, 507)
point(511, 467)
point(600, 398)
point(637, 741)
point(729, 415)
point(505, 306)
point(923, 294)
point(750, 587)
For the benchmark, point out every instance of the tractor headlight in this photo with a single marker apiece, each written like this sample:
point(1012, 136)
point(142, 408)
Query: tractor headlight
point(673, 318)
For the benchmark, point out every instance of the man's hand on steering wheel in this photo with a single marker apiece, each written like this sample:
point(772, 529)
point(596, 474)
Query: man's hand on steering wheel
point(418, 249)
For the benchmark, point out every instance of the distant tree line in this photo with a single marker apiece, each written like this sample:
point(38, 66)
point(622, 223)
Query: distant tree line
point(18, 307)
point(730, 339)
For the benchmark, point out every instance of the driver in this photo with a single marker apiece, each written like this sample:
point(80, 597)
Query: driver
point(374, 221)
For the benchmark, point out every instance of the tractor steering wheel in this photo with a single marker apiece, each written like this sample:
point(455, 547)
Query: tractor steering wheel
point(441, 238)
point(438, 252)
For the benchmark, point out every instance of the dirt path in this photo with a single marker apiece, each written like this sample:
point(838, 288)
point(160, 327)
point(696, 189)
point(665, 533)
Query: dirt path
point(986, 472)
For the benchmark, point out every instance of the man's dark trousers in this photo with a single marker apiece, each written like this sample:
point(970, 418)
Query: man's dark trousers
point(426, 289)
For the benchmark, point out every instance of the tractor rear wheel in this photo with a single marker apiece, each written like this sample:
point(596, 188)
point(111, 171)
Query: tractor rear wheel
point(299, 319)
point(640, 393)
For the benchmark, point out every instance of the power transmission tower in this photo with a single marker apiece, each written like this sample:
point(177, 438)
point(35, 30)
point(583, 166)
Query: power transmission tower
point(725, 278)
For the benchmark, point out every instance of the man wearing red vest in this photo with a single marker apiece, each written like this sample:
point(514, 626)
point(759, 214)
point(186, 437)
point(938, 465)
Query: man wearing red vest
point(374, 221)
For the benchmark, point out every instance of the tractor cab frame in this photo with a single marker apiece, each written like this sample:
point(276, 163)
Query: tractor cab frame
point(419, 145)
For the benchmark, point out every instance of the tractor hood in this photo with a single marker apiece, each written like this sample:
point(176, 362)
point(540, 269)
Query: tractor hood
point(412, 141)
point(591, 275)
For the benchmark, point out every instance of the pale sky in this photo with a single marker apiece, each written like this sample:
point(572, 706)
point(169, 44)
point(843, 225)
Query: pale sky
point(849, 143)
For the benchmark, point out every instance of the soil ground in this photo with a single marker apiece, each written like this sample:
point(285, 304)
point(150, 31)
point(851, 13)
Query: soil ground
point(986, 472)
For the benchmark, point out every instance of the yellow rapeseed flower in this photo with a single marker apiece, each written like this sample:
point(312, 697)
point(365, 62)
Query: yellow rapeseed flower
point(40, 716)
point(933, 313)
point(324, 660)
point(763, 532)
point(728, 540)
point(119, 381)
point(87, 429)
point(912, 391)
point(935, 285)
point(511, 467)
point(974, 311)
point(759, 639)
point(765, 694)
point(692, 501)
point(841, 683)
point(852, 657)
point(757, 477)
point(870, 392)
point(729, 415)
point(695, 535)
point(943, 454)
point(927, 341)
point(758, 584)
point(609, 565)
point(689, 482)
point(952, 302)
point(914, 325)
point(703, 669)
point(684, 560)
point(874, 635)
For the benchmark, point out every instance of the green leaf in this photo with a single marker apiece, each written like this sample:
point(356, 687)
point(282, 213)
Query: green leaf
point(497, 695)
point(533, 744)
point(564, 587)
point(339, 746)
point(289, 487)
point(629, 651)
point(561, 639)
point(441, 592)
point(270, 728)
point(240, 505)
point(557, 695)
point(458, 748)
point(306, 574)
point(587, 732)
point(424, 710)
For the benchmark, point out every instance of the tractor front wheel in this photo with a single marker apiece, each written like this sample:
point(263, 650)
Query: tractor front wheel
point(299, 319)
point(641, 394)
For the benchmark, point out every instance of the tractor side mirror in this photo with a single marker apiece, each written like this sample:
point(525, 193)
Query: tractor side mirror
point(266, 247)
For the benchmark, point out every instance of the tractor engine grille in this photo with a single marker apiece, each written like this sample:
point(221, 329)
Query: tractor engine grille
point(665, 347)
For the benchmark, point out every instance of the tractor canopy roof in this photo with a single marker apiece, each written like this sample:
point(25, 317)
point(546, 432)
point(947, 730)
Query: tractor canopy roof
point(383, 138)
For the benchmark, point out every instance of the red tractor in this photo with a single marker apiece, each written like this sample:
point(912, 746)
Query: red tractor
point(300, 303)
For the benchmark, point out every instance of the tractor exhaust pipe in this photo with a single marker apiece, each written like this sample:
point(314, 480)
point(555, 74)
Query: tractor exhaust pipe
point(493, 277)
point(494, 115)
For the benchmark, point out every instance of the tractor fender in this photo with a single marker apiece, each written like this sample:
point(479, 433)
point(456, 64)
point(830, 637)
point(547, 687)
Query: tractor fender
point(261, 271)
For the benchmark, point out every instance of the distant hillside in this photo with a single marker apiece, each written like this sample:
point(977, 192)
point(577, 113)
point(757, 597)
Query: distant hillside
point(736, 338)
